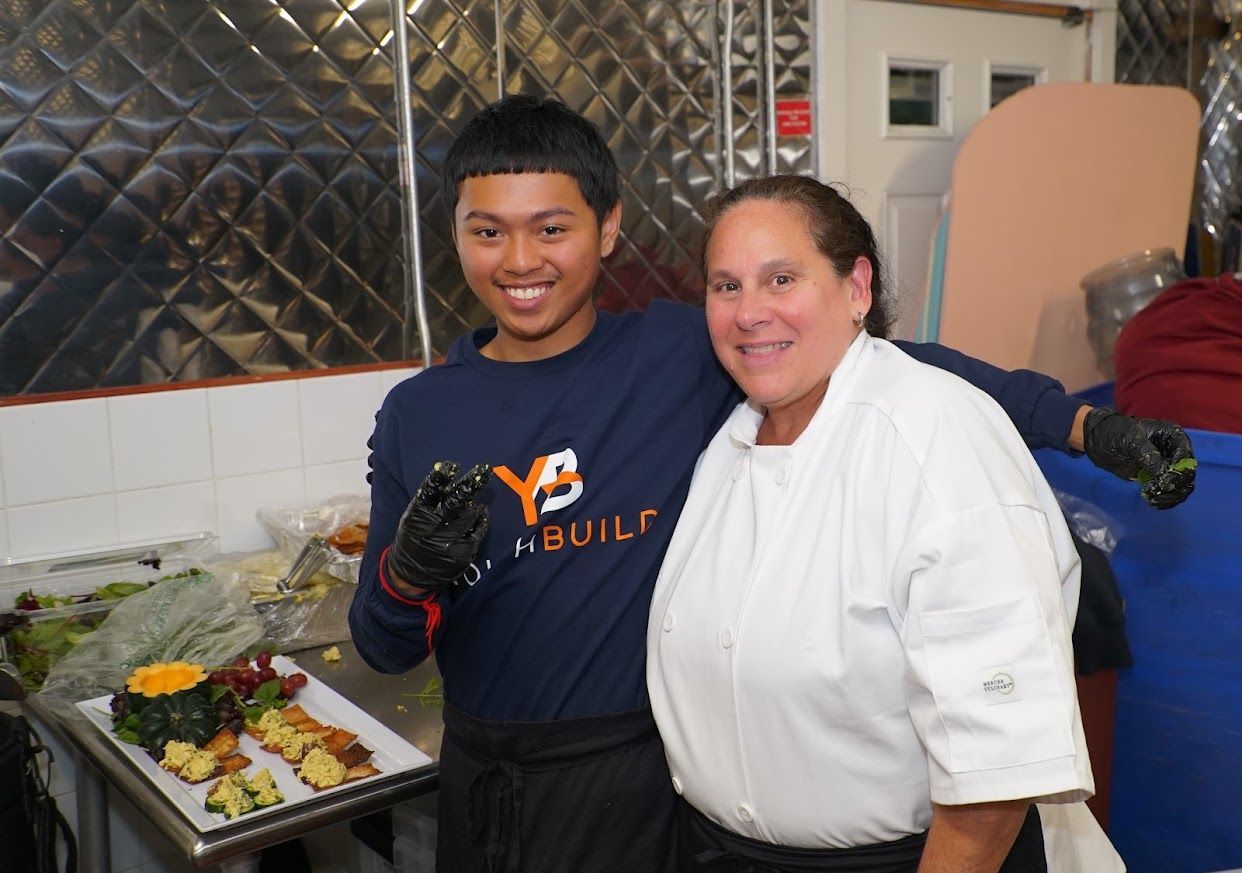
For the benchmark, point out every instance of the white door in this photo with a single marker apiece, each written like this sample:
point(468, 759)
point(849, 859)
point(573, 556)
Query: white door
point(900, 87)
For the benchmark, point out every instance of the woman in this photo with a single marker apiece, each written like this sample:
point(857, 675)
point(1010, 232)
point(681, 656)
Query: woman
point(859, 652)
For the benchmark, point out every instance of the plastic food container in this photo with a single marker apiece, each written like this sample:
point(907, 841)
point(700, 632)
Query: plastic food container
point(292, 528)
point(315, 614)
point(92, 583)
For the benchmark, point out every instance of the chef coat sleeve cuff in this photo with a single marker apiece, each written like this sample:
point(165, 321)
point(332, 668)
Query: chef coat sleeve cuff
point(1058, 780)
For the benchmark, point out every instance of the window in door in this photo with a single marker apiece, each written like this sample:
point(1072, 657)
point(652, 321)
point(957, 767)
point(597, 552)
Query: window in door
point(1005, 81)
point(918, 95)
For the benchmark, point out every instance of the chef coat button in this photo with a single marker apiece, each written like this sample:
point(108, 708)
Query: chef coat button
point(676, 785)
point(726, 638)
point(668, 622)
point(739, 470)
point(745, 814)
point(782, 475)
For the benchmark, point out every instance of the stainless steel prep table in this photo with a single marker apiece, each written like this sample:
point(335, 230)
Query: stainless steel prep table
point(235, 847)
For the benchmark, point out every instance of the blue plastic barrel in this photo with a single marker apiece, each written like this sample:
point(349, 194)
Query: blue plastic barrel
point(1177, 766)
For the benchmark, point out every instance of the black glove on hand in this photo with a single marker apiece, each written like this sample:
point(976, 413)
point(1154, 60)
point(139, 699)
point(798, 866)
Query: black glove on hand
point(1142, 449)
point(441, 529)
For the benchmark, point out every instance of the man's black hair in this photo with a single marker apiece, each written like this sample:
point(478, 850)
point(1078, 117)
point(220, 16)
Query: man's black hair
point(524, 134)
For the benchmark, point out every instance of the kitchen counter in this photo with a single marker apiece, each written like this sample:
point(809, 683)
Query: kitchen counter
point(392, 699)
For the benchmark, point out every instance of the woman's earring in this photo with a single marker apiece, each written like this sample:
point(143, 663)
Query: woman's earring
point(858, 319)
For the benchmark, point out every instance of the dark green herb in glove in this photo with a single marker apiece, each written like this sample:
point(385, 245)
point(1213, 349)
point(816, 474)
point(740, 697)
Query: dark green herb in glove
point(1157, 454)
point(440, 531)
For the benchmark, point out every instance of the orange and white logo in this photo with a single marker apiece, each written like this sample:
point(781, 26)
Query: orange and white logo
point(555, 476)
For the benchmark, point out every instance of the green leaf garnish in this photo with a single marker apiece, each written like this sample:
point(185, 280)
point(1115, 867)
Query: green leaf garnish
point(267, 693)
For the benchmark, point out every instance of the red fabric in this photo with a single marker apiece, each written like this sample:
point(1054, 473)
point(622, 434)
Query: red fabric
point(1180, 358)
point(633, 282)
point(427, 603)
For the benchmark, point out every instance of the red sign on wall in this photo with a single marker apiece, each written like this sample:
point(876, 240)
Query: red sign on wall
point(793, 117)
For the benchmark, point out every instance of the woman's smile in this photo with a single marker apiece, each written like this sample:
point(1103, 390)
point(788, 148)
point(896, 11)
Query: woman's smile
point(759, 351)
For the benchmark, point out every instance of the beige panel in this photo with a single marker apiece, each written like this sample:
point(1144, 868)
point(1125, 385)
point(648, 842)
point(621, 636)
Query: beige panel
point(1053, 183)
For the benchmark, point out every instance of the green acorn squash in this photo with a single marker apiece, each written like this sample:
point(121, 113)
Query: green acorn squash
point(183, 716)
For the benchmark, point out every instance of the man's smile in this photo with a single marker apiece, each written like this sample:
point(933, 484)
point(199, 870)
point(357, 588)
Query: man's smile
point(527, 291)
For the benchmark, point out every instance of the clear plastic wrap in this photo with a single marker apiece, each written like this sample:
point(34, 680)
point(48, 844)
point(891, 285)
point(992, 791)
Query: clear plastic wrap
point(291, 527)
point(1092, 524)
point(197, 618)
point(73, 592)
point(315, 614)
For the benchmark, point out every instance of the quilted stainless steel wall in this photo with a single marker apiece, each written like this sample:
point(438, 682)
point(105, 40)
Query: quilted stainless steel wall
point(199, 188)
point(1148, 53)
point(194, 189)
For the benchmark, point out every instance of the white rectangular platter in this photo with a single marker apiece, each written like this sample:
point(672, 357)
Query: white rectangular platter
point(391, 754)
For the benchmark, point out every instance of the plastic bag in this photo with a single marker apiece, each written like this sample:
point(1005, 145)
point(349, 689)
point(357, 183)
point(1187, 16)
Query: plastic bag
point(290, 528)
point(198, 618)
point(315, 614)
point(1092, 524)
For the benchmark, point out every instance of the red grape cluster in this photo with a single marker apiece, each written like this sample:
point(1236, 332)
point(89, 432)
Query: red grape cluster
point(245, 679)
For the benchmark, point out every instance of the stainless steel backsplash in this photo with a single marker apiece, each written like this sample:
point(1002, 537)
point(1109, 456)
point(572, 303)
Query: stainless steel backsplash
point(202, 188)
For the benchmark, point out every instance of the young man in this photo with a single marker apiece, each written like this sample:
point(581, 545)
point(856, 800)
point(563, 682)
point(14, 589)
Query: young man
point(592, 424)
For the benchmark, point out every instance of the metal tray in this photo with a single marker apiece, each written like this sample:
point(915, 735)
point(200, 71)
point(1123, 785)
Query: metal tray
point(392, 755)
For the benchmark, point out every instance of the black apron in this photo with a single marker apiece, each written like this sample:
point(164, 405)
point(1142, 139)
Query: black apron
point(706, 847)
point(587, 795)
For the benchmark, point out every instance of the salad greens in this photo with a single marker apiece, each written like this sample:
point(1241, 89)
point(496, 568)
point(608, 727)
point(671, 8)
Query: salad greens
point(1181, 466)
point(265, 697)
point(36, 645)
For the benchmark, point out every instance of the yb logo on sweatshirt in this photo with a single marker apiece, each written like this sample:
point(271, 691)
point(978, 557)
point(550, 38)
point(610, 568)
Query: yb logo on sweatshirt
point(554, 477)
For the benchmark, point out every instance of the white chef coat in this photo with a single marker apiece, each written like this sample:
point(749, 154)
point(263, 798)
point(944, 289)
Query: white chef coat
point(871, 619)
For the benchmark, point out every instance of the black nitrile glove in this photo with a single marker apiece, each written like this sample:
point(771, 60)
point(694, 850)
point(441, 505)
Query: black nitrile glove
point(1155, 453)
point(441, 529)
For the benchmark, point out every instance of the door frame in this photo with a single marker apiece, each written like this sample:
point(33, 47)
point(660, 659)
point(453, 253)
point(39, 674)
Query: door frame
point(831, 82)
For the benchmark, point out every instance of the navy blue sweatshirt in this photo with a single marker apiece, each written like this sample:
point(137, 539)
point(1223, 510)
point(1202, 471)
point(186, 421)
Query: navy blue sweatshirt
point(593, 451)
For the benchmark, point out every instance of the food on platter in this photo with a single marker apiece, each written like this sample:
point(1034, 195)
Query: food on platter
point(176, 754)
point(295, 736)
point(184, 715)
point(237, 794)
point(321, 770)
point(281, 753)
point(216, 758)
point(191, 703)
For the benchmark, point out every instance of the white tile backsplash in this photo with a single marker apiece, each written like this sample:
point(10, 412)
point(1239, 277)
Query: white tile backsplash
point(238, 499)
point(328, 480)
point(255, 428)
point(338, 415)
point(61, 526)
point(98, 472)
point(54, 451)
point(162, 438)
point(154, 513)
point(389, 379)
